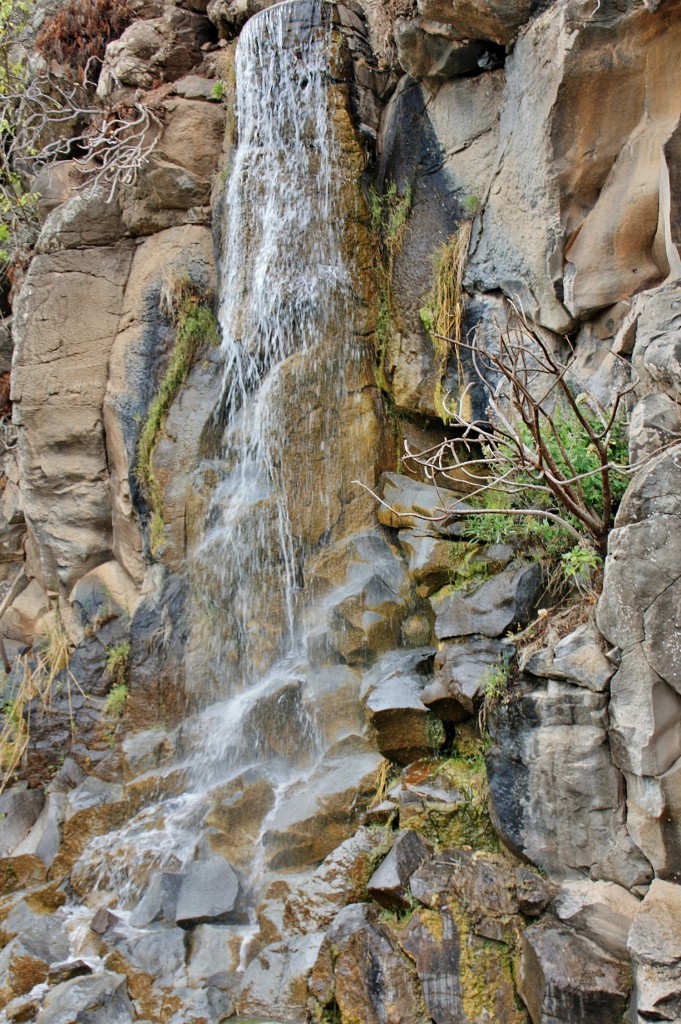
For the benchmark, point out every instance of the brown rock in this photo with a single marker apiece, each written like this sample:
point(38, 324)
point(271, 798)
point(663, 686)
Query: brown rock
point(360, 966)
point(61, 440)
point(498, 20)
point(563, 976)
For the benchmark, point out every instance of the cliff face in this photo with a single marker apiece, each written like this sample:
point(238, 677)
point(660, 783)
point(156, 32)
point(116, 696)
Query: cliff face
point(275, 748)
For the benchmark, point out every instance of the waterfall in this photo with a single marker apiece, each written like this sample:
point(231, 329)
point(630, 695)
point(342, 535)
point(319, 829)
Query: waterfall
point(294, 381)
point(283, 283)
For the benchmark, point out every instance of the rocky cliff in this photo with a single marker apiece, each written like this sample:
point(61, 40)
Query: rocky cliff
point(276, 743)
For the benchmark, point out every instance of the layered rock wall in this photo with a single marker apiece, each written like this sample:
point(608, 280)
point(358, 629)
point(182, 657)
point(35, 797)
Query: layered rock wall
point(526, 873)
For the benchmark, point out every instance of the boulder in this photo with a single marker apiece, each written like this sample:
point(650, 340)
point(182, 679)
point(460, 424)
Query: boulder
point(24, 619)
point(367, 611)
point(313, 819)
point(578, 658)
point(104, 593)
point(44, 838)
point(20, 808)
point(360, 965)
point(156, 49)
point(656, 358)
point(275, 983)
point(655, 422)
point(432, 940)
point(565, 977)
point(96, 999)
point(655, 947)
point(430, 560)
point(602, 911)
point(491, 608)
point(159, 902)
point(431, 49)
point(496, 20)
point(20, 970)
point(654, 819)
point(214, 955)
point(208, 892)
point(460, 673)
point(339, 880)
point(493, 890)
point(176, 185)
point(389, 884)
point(90, 217)
point(403, 726)
point(410, 504)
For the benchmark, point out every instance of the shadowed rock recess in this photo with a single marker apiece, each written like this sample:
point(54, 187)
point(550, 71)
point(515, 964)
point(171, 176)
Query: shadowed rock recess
point(285, 734)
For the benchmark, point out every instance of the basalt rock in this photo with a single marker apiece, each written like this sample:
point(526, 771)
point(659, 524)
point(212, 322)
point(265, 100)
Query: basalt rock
point(655, 946)
point(563, 977)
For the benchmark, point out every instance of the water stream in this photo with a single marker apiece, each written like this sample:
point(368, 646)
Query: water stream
point(285, 313)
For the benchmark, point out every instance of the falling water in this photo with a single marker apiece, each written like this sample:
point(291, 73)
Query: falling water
point(283, 285)
point(287, 337)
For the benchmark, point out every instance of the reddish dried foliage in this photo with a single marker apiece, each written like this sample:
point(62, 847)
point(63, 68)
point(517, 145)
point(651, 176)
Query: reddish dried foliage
point(80, 31)
point(5, 404)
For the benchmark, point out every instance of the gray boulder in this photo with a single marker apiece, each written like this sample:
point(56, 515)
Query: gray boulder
point(389, 884)
point(655, 947)
point(491, 608)
point(208, 892)
point(95, 999)
point(564, 977)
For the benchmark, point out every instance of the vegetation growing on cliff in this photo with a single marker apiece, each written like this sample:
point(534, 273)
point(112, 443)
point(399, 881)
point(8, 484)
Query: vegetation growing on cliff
point(442, 313)
point(189, 309)
point(389, 215)
point(29, 690)
point(549, 457)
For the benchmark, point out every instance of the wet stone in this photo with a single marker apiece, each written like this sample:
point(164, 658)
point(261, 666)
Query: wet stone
point(389, 884)
point(208, 892)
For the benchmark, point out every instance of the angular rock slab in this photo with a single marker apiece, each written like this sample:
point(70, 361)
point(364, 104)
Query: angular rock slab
point(460, 671)
point(655, 947)
point(208, 892)
point(654, 819)
point(557, 799)
point(602, 911)
point(361, 968)
point(96, 999)
point(492, 608)
point(410, 504)
point(275, 983)
point(403, 726)
point(389, 884)
point(564, 977)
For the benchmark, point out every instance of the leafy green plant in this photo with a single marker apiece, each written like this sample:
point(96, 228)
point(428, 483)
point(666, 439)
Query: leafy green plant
point(118, 663)
point(189, 309)
point(218, 91)
point(116, 700)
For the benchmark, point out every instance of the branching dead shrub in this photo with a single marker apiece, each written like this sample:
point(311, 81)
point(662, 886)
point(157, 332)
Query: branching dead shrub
point(545, 451)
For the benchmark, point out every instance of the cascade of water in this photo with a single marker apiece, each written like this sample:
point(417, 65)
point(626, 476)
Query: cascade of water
point(287, 331)
point(283, 283)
